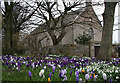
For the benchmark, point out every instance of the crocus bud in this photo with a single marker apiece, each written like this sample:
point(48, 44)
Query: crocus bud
point(70, 72)
point(50, 74)
point(48, 79)
point(30, 74)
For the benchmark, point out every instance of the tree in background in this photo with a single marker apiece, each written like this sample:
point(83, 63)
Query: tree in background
point(14, 15)
point(53, 16)
point(108, 22)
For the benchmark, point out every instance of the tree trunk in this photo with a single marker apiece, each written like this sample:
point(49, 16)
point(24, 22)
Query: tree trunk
point(53, 37)
point(7, 49)
point(15, 42)
point(9, 30)
point(55, 40)
point(108, 22)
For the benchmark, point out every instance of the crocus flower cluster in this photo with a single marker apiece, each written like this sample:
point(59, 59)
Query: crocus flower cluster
point(62, 74)
point(89, 68)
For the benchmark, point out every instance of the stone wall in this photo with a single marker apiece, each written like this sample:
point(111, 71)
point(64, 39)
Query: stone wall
point(67, 49)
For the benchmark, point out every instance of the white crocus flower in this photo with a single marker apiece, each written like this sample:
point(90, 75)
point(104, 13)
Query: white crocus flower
point(46, 57)
point(17, 68)
point(59, 66)
point(76, 68)
point(13, 67)
point(80, 80)
point(37, 65)
point(110, 75)
point(65, 71)
point(117, 77)
point(41, 73)
point(33, 65)
point(87, 70)
point(116, 71)
point(80, 69)
point(12, 59)
point(44, 67)
point(16, 64)
point(113, 67)
point(104, 76)
point(43, 76)
point(111, 71)
point(87, 76)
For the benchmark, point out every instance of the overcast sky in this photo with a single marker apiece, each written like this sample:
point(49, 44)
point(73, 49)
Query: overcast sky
point(99, 10)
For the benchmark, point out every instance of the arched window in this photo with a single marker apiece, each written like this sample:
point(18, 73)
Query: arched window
point(91, 33)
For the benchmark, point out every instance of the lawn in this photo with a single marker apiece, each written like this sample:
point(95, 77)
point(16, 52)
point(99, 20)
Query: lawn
point(51, 68)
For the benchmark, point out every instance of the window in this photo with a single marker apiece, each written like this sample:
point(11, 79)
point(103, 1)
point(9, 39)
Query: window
point(91, 33)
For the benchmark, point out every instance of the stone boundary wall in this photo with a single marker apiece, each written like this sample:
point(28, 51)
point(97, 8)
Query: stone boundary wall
point(67, 50)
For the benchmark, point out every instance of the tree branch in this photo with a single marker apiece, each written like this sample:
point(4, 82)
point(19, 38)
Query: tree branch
point(28, 17)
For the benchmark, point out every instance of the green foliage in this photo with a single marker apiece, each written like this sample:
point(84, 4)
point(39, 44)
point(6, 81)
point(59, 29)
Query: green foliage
point(83, 39)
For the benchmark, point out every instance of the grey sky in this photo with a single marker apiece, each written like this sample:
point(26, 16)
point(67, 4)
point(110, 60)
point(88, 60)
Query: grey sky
point(99, 10)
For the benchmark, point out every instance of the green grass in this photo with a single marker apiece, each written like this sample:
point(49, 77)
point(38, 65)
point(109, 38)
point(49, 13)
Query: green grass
point(22, 75)
point(15, 75)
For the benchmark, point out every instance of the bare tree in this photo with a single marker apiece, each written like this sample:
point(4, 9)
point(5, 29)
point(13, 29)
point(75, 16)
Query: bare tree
point(14, 15)
point(54, 17)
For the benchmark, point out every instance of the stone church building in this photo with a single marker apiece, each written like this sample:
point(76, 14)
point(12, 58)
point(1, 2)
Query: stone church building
point(86, 21)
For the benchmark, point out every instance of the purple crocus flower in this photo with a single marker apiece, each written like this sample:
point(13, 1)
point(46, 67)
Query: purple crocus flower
point(60, 75)
point(50, 74)
point(77, 78)
point(27, 58)
point(6, 63)
point(2, 63)
point(91, 77)
point(53, 71)
point(19, 63)
point(71, 67)
point(13, 63)
point(10, 67)
point(53, 67)
point(92, 72)
point(30, 74)
point(35, 64)
point(27, 65)
point(111, 80)
point(77, 73)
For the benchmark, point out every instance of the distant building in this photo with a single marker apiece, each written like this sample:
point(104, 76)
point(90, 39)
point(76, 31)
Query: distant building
point(88, 22)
